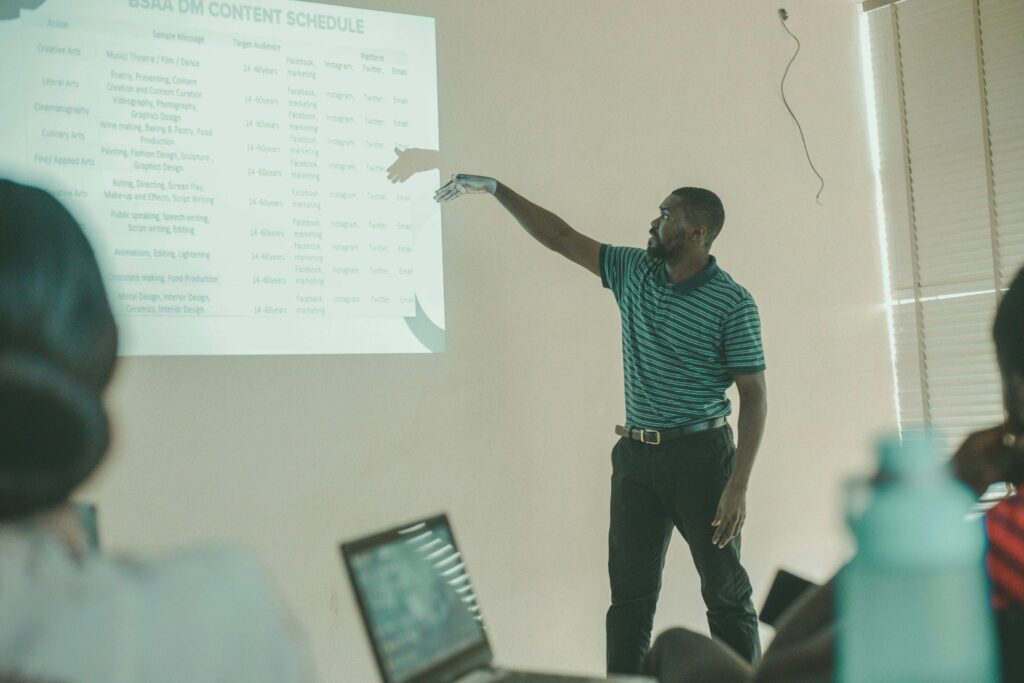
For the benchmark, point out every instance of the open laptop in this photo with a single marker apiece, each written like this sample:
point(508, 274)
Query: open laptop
point(420, 611)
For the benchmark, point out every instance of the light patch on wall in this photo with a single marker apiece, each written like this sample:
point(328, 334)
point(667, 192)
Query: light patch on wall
point(869, 103)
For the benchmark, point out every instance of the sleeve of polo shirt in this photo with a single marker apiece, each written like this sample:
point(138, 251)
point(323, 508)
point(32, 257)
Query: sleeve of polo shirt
point(744, 354)
point(616, 263)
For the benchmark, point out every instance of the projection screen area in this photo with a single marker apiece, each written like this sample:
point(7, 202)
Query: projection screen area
point(229, 163)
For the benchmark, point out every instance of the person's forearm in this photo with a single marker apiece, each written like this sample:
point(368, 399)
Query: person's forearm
point(811, 660)
point(750, 429)
point(804, 644)
point(541, 224)
point(811, 613)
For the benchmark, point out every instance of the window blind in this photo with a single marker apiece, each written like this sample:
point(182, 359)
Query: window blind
point(949, 112)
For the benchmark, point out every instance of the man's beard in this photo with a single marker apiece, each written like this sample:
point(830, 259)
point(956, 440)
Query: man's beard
point(656, 248)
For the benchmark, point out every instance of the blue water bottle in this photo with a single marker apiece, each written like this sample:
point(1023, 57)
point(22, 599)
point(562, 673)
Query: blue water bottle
point(913, 604)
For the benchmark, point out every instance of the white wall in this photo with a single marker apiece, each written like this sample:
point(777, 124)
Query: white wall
point(596, 109)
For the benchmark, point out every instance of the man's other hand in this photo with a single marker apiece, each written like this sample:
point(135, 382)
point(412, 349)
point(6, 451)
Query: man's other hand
point(729, 518)
point(989, 456)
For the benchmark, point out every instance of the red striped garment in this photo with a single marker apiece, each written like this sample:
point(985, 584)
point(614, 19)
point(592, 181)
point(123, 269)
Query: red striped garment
point(1005, 526)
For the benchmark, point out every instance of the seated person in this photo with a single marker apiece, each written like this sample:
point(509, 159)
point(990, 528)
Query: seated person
point(997, 455)
point(803, 648)
point(74, 617)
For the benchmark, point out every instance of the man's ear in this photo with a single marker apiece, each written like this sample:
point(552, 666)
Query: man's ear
point(701, 234)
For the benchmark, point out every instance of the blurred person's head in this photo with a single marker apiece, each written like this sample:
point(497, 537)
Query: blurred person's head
point(1009, 335)
point(58, 344)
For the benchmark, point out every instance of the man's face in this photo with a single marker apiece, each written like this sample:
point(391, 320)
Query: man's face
point(671, 237)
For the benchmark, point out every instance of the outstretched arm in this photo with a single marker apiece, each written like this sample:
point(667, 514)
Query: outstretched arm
point(544, 226)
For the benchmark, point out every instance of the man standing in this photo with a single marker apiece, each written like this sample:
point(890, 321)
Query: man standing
point(688, 332)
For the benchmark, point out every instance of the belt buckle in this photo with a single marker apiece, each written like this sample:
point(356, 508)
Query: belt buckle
point(657, 437)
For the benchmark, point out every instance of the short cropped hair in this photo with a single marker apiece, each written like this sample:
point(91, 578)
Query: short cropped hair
point(702, 207)
point(1008, 329)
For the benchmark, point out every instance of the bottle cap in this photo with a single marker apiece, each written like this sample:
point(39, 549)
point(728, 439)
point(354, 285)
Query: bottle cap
point(912, 452)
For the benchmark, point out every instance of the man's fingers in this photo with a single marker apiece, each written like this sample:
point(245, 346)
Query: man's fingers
point(446, 191)
point(723, 541)
point(735, 530)
point(726, 530)
point(449, 191)
point(463, 183)
point(721, 525)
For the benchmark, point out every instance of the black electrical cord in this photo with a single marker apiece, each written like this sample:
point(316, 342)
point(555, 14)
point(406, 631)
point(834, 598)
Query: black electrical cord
point(782, 88)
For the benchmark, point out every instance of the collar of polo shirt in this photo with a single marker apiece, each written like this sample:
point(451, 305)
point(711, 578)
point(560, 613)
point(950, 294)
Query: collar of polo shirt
point(691, 283)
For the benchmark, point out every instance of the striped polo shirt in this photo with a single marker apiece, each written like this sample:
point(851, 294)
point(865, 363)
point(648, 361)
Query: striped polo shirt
point(1005, 559)
point(681, 342)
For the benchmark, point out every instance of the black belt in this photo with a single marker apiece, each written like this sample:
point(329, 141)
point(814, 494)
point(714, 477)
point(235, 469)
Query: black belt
point(653, 437)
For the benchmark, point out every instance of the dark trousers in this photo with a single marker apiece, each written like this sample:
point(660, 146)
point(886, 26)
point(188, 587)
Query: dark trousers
point(655, 488)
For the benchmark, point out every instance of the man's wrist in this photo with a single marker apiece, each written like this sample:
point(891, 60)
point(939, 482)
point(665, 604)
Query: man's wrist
point(739, 485)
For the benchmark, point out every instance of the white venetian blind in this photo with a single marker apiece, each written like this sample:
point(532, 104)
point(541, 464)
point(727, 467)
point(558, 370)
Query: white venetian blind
point(949, 105)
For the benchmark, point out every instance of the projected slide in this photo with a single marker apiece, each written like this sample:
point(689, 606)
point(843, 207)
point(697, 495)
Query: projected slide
point(228, 161)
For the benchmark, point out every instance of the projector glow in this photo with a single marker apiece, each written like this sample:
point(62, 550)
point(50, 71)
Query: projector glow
point(228, 161)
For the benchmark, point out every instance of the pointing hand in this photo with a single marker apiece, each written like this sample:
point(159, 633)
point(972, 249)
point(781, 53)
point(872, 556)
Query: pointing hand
point(464, 183)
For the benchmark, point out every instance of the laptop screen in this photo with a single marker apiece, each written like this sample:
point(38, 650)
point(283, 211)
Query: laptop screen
point(416, 598)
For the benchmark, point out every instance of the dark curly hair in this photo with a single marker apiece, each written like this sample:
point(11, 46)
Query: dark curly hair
point(702, 207)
